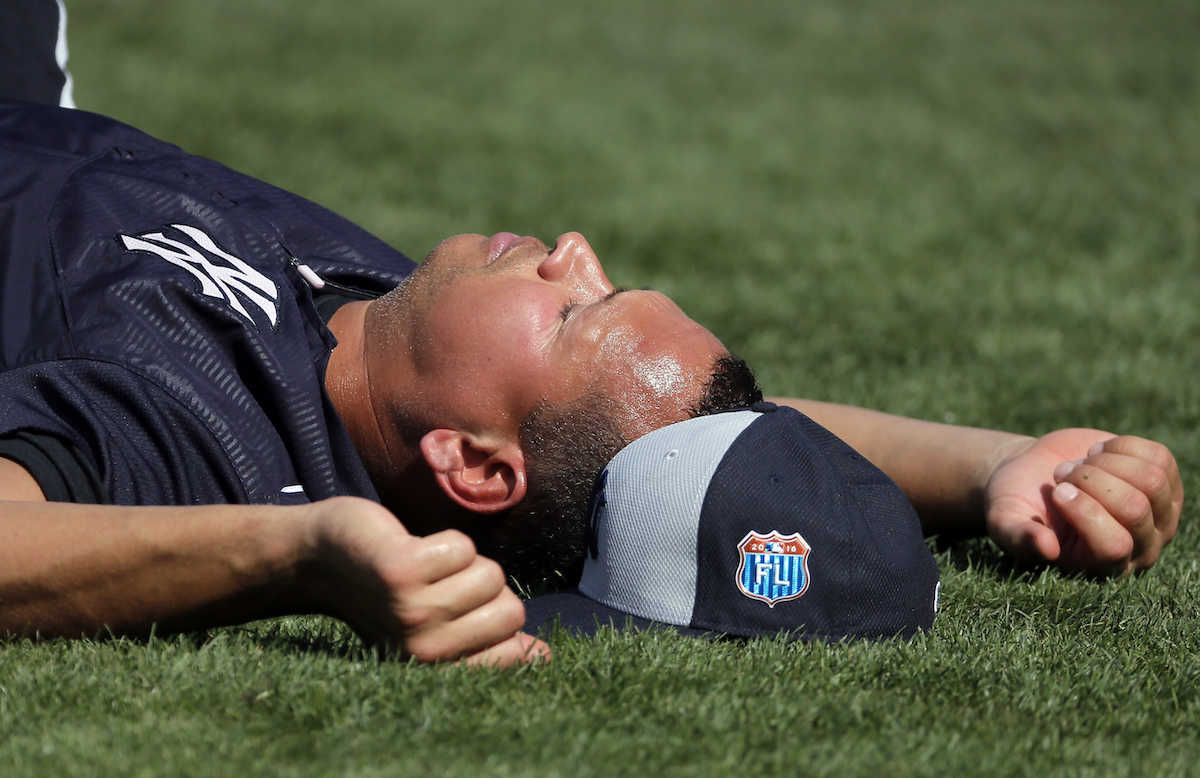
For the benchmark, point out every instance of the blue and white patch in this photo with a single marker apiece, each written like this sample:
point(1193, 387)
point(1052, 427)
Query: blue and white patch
point(773, 567)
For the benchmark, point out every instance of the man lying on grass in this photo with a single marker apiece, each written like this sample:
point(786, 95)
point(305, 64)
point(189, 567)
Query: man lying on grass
point(203, 377)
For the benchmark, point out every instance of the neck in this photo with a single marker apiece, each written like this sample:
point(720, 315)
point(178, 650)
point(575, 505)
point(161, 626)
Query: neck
point(347, 380)
point(402, 484)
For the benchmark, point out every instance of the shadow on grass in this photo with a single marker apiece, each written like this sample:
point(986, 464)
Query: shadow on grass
point(984, 558)
point(300, 636)
point(293, 636)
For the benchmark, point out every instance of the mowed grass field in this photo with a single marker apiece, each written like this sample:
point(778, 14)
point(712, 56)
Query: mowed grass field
point(968, 211)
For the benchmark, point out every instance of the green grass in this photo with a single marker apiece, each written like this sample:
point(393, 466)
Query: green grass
point(975, 212)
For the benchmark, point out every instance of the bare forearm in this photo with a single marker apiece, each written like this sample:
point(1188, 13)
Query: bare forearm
point(76, 569)
point(942, 468)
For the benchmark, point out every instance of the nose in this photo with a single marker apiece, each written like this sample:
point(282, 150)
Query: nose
point(575, 263)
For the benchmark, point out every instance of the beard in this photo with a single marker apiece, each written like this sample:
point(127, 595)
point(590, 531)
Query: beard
point(542, 541)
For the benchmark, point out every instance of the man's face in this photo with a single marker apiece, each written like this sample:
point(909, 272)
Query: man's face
point(503, 324)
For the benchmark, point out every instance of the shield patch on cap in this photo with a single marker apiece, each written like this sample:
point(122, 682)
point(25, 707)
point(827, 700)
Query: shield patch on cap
point(773, 567)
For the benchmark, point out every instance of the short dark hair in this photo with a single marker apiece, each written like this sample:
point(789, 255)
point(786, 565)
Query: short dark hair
point(731, 385)
point(542, 541)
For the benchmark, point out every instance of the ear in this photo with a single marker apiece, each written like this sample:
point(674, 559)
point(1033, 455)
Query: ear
point(479, 475)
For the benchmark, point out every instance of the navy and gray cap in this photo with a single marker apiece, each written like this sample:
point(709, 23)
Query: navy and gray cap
point(755, 522)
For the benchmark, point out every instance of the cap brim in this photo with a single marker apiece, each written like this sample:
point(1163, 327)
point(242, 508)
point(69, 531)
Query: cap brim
point(578, 613)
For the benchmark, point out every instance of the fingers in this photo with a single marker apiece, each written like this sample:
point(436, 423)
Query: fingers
point(456, 595)
point(1013, 529)
point(477, 630)
point(467, 612)
point(1150, 467)
point(440, 555)
point(456, 603)
point(433, 598)
point(518, 649)
point(1123, 501)
point(1100, 545)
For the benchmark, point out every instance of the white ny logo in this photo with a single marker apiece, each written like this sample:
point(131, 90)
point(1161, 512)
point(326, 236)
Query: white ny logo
point(215, 280)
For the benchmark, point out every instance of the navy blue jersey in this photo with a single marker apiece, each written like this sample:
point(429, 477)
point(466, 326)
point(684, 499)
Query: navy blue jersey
point(154, 320)
point(33, 52)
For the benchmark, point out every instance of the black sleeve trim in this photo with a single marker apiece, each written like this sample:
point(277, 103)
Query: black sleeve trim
point(56, 465)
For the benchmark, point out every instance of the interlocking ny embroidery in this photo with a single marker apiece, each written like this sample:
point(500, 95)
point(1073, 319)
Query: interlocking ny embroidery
point(216, 280)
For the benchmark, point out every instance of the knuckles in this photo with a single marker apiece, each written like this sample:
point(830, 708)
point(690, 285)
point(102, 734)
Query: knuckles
point(1155, 480)
point(510, 612)
point(1147, 558)
point(429, 641)
point(414, 618)
point(1134, 512)
point(1161, 456)
point(1150, 451)
point(428, 649)
point(490, 573)
point(1111, 552)
point(343, 506)
point(453, 544)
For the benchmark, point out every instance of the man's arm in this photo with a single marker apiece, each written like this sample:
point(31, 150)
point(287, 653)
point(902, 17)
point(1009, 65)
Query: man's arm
point(1084, 499)
point(75, 570)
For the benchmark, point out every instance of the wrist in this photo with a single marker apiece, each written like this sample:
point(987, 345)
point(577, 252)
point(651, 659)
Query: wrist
point(314, 568)
point(1005, 450)
point(952, 498)
point(338, 538)
point(1004, 453)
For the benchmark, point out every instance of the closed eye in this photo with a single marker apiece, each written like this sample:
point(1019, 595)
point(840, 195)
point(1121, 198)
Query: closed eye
point(570, 307)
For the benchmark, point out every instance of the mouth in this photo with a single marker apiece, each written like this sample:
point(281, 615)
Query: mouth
point(502, 242)
point(498, 244)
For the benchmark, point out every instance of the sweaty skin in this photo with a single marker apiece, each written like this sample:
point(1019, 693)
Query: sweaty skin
point(544, 324)
point(484, 332)
point(488, 329)
point(642, 348)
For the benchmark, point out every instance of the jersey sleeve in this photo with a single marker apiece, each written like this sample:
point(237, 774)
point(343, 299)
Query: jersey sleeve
point(62, 474)
point(137, 443)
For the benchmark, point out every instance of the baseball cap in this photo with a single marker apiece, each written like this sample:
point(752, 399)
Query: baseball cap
point(754, 522)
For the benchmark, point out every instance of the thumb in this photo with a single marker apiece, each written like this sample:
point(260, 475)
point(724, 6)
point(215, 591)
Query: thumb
point(520, 648)
point(1025, 537)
